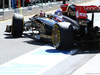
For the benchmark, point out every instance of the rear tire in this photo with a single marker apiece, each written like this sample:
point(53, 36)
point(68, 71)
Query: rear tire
point(17, 25)
point(62, 38)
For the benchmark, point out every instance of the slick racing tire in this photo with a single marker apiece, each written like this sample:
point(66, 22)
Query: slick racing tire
point(62, 37)
point(17, 25)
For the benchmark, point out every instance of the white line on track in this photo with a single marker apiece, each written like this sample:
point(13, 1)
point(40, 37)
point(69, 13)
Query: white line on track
point(35, 62)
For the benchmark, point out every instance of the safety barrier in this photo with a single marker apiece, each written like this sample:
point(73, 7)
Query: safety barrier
point(30, 10)
point(1, 15)
point(79, 1)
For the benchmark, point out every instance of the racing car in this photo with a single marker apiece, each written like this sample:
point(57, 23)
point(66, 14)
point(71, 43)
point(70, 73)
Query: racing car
point(66, 29)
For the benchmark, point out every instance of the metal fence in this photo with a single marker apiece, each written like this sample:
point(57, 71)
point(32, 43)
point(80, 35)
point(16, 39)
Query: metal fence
point(79, 1)
point(12, 4)
point(34, 7)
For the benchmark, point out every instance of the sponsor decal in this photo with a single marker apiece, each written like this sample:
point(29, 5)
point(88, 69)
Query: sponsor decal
point(80, 12)
point(91, 7)
point(59, 19)
point(77, 14)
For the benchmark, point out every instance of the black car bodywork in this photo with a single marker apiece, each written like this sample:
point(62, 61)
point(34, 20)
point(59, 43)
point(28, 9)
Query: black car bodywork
point(65, 30)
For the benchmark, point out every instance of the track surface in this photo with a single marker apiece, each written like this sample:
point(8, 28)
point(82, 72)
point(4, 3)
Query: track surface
point(53, 62)
point(11, 48)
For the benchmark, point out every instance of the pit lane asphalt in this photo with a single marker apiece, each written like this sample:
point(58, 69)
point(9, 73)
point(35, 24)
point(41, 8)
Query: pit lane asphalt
point(10, 48)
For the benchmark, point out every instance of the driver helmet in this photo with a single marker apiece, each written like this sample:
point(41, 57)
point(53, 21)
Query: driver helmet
point(58, 12)
point(71, 10)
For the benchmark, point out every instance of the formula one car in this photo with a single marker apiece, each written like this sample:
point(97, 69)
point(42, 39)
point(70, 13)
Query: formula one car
point(66, 29)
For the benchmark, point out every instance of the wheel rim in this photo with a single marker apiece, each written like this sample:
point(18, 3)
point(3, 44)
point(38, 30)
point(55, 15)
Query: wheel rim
point(56, 36)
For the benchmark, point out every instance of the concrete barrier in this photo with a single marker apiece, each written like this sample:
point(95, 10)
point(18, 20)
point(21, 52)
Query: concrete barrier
point(1, 15)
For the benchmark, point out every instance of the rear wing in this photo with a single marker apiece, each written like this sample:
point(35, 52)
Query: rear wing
point(81, 11)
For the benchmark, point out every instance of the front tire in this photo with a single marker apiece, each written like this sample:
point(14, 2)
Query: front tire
point(17, 25)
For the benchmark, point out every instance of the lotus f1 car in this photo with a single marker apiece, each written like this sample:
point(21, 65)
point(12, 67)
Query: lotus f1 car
point(66, 28)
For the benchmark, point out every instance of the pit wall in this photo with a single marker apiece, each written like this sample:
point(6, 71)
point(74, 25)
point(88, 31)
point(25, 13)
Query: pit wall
point(31, 10)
